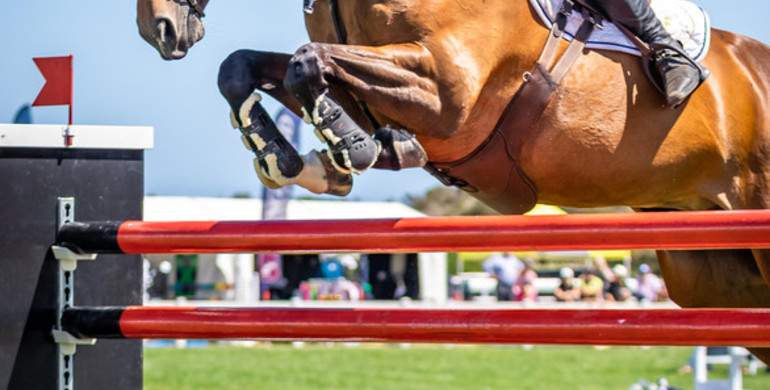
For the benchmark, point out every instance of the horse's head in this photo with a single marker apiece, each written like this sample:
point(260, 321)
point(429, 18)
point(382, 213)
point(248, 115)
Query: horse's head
point(171, 26)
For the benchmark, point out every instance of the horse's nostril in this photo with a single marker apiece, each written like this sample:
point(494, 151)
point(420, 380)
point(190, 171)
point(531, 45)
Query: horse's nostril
point(164, 30)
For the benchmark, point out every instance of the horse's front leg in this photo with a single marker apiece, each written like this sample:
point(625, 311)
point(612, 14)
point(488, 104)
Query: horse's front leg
point(277, 162)
point(386, 77)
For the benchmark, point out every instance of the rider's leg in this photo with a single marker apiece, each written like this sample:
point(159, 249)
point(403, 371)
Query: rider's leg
point(679, 75)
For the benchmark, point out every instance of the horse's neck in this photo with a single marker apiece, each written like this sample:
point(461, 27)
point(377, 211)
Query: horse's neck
point(504, 36)
point(492, 29)
point(502, 30)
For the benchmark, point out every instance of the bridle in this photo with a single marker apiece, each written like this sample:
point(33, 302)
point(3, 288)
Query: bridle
point(195, 6)
point(308, 6)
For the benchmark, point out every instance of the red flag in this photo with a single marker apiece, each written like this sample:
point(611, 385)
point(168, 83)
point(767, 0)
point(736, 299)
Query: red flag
point(58, 81)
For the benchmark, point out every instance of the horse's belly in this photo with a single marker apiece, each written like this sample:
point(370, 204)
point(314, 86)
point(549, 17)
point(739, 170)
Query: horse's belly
point(601, 164)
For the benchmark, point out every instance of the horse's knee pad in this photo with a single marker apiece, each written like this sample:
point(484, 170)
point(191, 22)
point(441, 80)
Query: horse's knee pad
point(400, 150)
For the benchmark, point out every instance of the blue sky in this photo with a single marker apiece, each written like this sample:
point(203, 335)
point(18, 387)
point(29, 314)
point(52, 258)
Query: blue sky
point(120, 80)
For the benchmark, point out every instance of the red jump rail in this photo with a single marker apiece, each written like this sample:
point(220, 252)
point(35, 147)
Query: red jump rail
point(655, 230)
point(686, 327)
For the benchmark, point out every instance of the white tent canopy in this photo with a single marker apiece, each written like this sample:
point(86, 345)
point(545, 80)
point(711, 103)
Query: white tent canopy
point(185, 208)
point(432, 266)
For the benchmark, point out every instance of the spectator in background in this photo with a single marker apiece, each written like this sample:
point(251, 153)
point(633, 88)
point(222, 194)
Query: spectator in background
point(524, 289)
point(592, 289)
point(505, 268)
point(616, 290)
point(331, 267)
point(567, 290)
point(650, 286)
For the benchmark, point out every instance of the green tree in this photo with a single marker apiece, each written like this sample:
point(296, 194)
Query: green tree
point(443, 201)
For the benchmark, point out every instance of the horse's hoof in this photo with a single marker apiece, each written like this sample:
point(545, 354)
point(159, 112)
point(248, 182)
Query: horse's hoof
point(338, 183)
point(351, 149)
point(321, 177)
point(399, 150)
point(263, 178)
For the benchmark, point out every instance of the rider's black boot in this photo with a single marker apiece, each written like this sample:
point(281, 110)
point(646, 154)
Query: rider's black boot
point(679, 74)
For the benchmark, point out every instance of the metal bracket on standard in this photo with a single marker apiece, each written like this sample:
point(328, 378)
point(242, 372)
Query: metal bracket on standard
point(68, 262)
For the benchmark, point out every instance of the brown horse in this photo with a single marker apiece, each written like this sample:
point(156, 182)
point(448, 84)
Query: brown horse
point(445, 70)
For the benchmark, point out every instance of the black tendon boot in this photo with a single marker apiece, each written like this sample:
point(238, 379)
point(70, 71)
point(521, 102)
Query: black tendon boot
point(679, 75)
point(261, 136)
point(350, 147)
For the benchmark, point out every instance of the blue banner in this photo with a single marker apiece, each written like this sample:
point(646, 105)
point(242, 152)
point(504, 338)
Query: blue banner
point(275, 203)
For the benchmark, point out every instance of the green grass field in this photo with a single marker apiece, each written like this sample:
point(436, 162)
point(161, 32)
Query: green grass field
point(420, 367)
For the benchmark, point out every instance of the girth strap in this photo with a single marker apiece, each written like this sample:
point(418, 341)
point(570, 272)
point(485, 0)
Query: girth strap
point(548, 55)
point(591, 19)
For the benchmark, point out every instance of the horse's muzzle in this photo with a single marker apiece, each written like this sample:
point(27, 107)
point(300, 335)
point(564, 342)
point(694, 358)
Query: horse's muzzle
point(167, 40)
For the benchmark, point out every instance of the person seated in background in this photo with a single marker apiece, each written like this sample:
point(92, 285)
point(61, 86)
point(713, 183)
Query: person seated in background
point(616, 289)
point(505, 268)
point(650, 286)
point(524, 289)
point(592, 289)
point(614, 279)
point(567, 290)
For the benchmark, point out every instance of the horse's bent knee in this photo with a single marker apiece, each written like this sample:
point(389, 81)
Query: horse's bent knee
point(311, 49)
point(234, 79)
point(304, 77)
